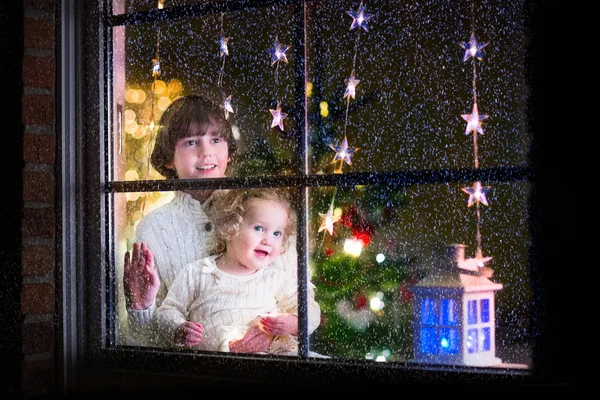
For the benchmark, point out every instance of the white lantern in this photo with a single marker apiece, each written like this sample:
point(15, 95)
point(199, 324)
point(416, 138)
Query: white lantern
point(454, 313)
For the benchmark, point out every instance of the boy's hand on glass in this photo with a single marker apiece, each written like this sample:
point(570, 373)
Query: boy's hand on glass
point(279, 323)
point(253, 340)
point(188, 334)
point(140, 278)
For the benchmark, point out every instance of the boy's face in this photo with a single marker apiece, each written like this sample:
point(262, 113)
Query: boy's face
point(260, 238)
point(201, 156)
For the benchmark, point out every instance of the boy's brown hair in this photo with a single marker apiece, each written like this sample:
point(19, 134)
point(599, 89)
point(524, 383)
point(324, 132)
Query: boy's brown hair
point(187, 116)
point(229, 208)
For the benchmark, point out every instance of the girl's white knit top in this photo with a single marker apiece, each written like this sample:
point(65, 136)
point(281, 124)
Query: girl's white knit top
point(226, 304)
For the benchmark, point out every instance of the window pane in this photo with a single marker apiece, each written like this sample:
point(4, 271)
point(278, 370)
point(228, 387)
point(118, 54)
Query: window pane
point(180, 231)
point(399, 235)
point(485, 310)
point(450, 341)
point(472, 341)
point(472, 312)
point(450, 314)
point(414, 86)
point(154, 63)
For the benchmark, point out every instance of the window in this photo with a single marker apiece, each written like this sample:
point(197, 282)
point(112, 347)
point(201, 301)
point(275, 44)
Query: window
point(398, 140)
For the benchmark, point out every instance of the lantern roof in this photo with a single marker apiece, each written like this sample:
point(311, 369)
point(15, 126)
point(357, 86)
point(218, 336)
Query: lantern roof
point(454, 271)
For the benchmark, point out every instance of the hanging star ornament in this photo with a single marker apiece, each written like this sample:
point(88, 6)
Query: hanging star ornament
point(351, 84)
point(360, 17)
point(224, 51)
point(227, 107)
point(473, 49)
point(343, 154)
point(474, 121)
point(328, 220)
point(278, 117)
point(278, 52)
point(477, 194)
point(155, 67)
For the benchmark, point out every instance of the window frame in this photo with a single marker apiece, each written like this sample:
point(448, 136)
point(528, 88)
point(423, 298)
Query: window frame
point(88, 360)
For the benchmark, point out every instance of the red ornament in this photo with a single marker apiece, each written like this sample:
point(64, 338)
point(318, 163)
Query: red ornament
point(360, 301)
point(363, 232)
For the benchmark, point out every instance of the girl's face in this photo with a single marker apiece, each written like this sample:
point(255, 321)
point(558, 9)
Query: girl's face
point(201, 156)
point(260, 238)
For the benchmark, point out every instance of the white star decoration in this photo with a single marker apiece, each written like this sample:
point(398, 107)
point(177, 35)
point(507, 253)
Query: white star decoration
point(223, 47)
point(477, 194)
point(473, 48)
point(328, 220)
point(360, 18)
point(227, 107)
point(155, 67)
point(474, 121)
point(343, 152)
point(278, 117)
point(278, 52)
point(351, 84)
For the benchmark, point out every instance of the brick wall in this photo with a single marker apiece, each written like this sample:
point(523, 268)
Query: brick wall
point(38, 264)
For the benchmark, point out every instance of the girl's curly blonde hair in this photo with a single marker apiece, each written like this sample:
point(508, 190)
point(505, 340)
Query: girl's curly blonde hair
point(228, 212)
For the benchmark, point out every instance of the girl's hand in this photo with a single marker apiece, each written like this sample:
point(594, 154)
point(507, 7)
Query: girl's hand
point(279, 324)
point(188, 334)
point(140, 278)
point(254, 340)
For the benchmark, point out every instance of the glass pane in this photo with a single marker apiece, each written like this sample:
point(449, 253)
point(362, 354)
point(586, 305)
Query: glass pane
point(252, 275)
point(485, 310)
point(429, 342)
point(429, 311)
point(486, 344)
point(400, 236)
point(450, 312)
point(450, 341)
point(413, 85)
point(472, 312)
point(155, 63)
point(472, 341)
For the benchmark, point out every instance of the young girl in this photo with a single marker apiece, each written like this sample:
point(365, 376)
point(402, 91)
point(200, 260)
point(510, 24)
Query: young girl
point(194, 141)
point(215, 300)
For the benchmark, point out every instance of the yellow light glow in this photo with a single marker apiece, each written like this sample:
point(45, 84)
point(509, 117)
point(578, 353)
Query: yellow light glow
point(375, 304)
point(131, 175)
point(131, 126)
point(353, 247)
point(158, 87)
point(129, 95)
point(163, 103)
point(129, 115)
point(138, 96)
point(337, 212)
point(309, 87)
point(174, 87)
point(324, 107)
point(140, 132)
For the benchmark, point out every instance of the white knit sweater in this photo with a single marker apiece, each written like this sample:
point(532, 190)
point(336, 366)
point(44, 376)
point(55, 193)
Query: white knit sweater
point(178, 233)
point(225, 304)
